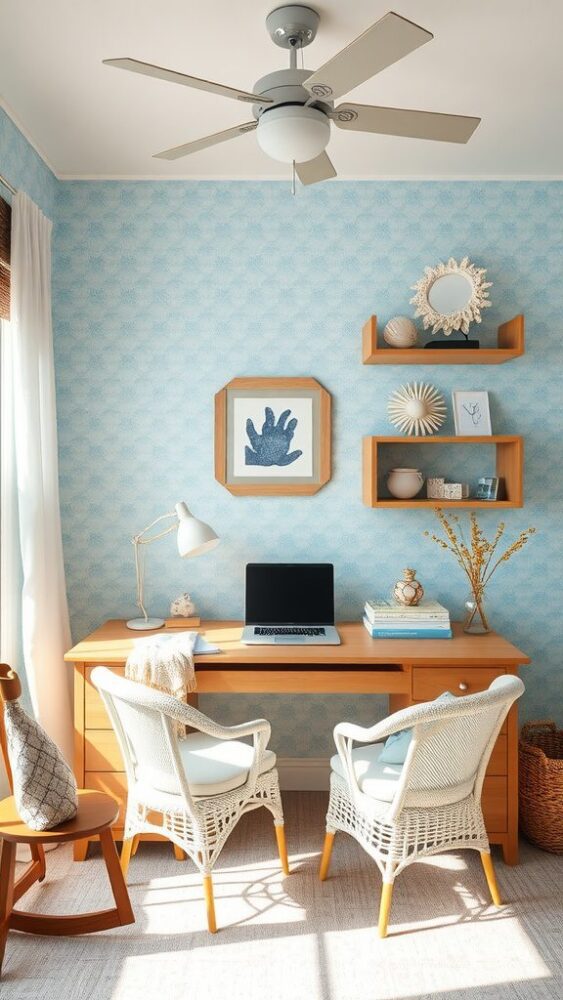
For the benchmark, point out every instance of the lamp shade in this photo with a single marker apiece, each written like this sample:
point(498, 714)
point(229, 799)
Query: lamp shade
point(194, 536)
point(289, 133)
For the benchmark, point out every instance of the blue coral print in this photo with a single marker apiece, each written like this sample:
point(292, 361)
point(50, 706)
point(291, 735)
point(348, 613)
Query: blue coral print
point(272, 446)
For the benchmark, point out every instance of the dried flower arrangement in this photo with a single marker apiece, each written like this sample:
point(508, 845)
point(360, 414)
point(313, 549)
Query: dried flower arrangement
point(478, 561)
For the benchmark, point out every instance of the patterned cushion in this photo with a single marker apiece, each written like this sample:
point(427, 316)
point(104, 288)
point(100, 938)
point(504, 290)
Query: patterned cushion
point(44, 785)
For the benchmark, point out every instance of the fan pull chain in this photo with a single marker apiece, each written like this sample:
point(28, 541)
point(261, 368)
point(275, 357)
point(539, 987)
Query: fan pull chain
point(293, 176)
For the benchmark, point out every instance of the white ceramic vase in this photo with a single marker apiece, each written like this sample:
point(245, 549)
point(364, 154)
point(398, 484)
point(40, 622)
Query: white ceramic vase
point(403, 484)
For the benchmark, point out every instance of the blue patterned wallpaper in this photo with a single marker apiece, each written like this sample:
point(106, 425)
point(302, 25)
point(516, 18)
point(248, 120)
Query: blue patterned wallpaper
point(24, 168)
point(164, 291)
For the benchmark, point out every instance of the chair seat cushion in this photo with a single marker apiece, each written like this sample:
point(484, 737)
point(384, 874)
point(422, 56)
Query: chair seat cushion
point(212, 766)
point(379, 780)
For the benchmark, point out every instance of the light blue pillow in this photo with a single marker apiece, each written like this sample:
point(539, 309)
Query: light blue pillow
point(396, 745)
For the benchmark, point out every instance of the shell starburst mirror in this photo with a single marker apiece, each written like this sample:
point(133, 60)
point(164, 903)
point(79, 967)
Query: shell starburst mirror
point(450, 296)
point(417, 409)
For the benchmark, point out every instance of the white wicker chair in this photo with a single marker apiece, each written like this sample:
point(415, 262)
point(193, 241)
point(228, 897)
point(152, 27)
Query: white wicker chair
point(192, 791)
point(431, 803)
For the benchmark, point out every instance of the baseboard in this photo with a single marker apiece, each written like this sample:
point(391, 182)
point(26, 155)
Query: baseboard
point(304, 774)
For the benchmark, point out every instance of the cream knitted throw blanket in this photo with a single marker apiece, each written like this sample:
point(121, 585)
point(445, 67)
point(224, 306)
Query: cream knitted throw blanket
point(165, 662)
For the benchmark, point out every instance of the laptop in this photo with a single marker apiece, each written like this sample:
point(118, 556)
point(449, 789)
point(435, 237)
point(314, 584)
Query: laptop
point(290, 604)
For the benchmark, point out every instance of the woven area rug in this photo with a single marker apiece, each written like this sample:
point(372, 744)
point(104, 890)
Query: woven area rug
point(293, 938)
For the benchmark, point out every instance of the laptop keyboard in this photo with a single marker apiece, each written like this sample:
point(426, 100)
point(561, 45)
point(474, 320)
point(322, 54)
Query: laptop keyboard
point(286, 630)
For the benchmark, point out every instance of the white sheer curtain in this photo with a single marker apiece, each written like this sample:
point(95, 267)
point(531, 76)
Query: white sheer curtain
point(34, 605)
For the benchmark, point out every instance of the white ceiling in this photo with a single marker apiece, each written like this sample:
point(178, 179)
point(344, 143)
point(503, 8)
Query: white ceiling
point(500, 59)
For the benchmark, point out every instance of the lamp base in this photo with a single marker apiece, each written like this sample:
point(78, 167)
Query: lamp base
point(145, 624)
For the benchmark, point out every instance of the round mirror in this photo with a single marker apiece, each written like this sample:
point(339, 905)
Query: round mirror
point(451, 293)
point(451, 296)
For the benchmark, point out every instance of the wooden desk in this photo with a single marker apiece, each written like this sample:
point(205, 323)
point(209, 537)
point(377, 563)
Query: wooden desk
point(407, 670)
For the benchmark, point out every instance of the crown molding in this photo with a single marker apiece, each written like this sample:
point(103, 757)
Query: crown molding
point(261, 178)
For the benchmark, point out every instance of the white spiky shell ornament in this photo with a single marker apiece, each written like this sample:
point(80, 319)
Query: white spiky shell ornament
point(417, 408)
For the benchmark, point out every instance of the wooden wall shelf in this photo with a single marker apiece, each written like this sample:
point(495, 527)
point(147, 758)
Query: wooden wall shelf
point(510, 345)
point(509, 467)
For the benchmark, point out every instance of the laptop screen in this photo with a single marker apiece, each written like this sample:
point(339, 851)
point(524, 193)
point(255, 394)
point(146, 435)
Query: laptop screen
point(289, 594)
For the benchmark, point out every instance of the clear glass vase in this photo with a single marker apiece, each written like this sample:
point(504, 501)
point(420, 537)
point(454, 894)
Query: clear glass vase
point(476, 621)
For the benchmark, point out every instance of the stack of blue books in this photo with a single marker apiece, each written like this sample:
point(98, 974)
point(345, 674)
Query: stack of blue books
point(389, 620)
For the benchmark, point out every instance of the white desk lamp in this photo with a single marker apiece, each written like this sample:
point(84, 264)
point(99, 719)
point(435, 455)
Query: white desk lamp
point(194, 538)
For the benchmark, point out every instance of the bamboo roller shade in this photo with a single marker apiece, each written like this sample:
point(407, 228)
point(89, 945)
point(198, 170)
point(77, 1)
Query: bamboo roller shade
point(5, 230)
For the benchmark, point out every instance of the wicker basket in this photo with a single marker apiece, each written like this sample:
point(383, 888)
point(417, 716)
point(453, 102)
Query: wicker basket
point(541, 785)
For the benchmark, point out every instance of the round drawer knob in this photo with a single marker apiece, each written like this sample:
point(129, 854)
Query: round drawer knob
point(463, 686)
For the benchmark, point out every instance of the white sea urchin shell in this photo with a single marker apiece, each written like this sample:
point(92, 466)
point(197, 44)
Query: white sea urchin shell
point(417, 409)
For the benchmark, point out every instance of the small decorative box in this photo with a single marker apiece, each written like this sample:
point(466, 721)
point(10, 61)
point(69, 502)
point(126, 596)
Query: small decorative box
point(435, 489)
point(456, 491)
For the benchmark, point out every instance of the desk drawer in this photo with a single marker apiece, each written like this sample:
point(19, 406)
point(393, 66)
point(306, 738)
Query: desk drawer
point(498, 763)
point(114, 783)
point(101, 751)
point(429, 682)
point(494, 803)
point(95, 715)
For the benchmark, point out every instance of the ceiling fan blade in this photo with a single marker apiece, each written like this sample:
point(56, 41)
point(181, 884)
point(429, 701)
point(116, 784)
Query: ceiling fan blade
point(209, 140)
point(319, 169)
point(401, 121)
point(147, 69)
point(388, 40)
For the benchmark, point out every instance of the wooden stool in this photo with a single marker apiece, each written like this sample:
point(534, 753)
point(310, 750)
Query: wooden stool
point(97, 813)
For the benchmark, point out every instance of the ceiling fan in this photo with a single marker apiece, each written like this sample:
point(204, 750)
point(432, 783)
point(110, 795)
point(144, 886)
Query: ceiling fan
point(293, 108)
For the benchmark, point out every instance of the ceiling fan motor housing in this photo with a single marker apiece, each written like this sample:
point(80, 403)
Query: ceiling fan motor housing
point(285, 86)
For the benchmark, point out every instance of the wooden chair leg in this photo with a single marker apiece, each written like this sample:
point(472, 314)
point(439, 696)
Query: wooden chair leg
point(7, 878)
point(135, 847)
point(118, 887)
point(209, 904)
point(38, 855)
point(327, 852)
point(126, 852)
point(282, 847)
point(488, 868)
point(179, 854)
point(385, 908)
point(34, 872)
point(80, 849)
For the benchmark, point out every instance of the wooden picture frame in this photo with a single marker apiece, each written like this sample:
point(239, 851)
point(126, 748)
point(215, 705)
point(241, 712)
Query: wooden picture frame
point(273, 450)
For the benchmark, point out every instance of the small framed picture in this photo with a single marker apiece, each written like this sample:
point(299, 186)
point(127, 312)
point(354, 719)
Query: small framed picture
point(487, 488)
point(472, 416)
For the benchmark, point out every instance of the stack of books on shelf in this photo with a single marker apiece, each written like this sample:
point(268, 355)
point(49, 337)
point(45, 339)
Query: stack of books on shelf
point(389, 620)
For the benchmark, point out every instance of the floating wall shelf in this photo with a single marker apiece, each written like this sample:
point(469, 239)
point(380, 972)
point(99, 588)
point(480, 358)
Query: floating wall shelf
point(509, 467)
point(510, 345)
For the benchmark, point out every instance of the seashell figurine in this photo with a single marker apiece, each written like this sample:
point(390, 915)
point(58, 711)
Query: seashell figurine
point(400, 332)
point(416, 409)
point(183, 607)
point(408, 591)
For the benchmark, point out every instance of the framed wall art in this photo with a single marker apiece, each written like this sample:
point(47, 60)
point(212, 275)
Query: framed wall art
point(472, 416)
point(273, 436)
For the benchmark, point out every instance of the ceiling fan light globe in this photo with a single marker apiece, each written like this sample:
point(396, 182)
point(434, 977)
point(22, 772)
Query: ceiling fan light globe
point(291, 133)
